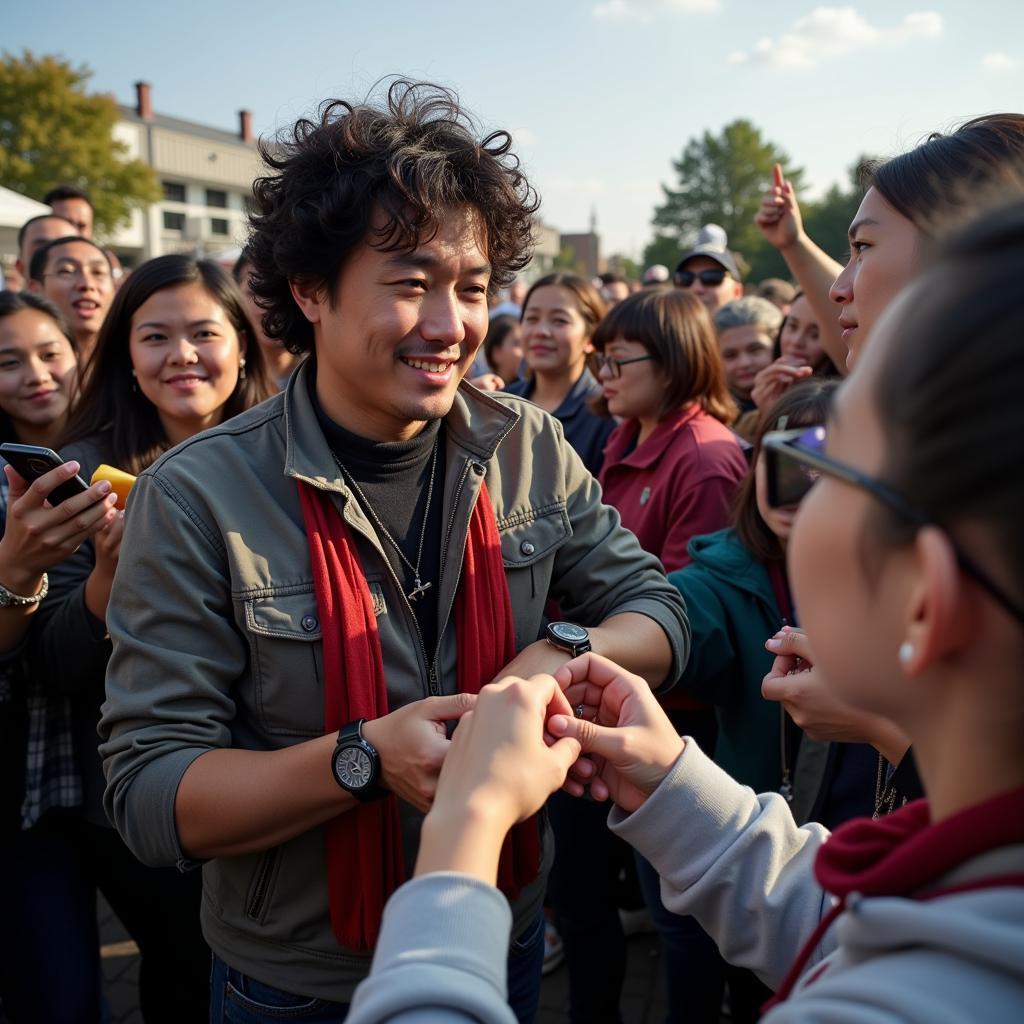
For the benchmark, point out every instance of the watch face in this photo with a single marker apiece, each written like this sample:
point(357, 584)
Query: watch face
point(569, 632)
point(353, 767)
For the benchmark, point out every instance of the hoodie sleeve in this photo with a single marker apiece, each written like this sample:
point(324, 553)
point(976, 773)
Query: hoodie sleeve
point(735, 861)
point(441, 957)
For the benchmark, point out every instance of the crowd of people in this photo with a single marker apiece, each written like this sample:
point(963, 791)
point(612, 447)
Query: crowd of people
point(453, 619)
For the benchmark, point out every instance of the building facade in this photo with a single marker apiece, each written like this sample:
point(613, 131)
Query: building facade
point(206, 175)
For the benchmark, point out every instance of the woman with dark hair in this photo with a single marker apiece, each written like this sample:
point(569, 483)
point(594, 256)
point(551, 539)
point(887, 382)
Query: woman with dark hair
point(279, 359)
point(173, 358)
point(797, 355)
point(910, 199)
point(503, 347)
point(907, 559)
point(38, 366)
point(560, 314)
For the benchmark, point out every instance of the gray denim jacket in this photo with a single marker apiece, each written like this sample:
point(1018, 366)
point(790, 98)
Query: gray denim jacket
point(216, 638)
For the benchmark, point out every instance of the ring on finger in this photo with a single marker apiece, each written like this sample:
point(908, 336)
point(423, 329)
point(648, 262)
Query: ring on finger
point(578, 710)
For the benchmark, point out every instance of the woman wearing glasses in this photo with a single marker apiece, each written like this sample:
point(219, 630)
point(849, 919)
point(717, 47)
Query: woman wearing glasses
point(671, 470)
point(907, 561)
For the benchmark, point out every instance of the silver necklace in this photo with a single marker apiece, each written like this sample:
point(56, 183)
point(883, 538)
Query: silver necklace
point(419, 588)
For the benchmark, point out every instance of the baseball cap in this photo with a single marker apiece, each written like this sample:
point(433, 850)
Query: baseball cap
point(657, 273)
point(718, 253)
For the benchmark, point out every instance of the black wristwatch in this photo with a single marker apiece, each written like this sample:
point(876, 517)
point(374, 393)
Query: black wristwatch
point(568, 637)
point(356, 763)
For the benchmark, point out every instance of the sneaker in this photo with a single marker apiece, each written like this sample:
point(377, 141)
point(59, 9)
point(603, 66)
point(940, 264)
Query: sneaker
point(554, 948)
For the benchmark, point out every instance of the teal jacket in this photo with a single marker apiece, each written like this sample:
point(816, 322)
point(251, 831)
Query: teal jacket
point(733, 610)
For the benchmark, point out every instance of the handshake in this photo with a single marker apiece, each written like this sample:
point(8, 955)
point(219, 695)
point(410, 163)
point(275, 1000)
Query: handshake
point(590, 725)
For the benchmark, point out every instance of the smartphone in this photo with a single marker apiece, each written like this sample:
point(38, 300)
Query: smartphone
point(32, 462)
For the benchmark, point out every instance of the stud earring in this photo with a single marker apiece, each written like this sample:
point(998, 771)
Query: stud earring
point(241, 368)
point(906, 653)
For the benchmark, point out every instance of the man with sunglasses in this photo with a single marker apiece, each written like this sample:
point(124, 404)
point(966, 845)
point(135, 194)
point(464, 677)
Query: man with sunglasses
point(710, 272)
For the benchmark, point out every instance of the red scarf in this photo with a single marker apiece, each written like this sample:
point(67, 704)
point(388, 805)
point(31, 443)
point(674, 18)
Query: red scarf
point(364, 846)
point(904, 854)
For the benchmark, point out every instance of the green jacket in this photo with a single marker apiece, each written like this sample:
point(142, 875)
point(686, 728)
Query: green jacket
point(732, 611)
point(216, 637)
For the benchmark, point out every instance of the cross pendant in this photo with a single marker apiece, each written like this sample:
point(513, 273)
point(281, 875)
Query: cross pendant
point(418, 590)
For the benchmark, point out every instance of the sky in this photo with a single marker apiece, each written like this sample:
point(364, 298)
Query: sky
point(599, 95)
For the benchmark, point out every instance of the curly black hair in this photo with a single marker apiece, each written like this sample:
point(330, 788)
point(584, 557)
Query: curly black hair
point(406, 161)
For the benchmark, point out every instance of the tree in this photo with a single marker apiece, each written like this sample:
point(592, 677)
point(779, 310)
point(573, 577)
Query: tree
point(568, 261)
point(53, 132)
point(721, 181)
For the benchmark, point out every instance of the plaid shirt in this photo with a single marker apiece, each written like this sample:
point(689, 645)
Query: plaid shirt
point(51, 770)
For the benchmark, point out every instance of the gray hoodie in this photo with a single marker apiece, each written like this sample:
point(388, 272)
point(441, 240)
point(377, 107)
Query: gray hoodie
point(738, 863)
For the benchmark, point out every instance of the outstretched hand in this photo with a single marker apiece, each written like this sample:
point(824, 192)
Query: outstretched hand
point(623, 730)
point(779, 216)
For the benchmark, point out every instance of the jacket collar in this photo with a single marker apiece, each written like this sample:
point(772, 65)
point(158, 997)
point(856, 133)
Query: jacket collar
point(476, 425)
point(585, 388)
point(724, 556)
point(645, 455)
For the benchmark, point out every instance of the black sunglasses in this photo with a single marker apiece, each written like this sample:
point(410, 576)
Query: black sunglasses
point(795, 459)
point(710, 277)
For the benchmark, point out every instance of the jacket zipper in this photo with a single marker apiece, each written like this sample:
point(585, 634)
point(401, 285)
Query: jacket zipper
point(261, 890)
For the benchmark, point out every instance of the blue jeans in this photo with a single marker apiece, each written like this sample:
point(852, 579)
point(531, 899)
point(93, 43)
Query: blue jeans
point(235, 998)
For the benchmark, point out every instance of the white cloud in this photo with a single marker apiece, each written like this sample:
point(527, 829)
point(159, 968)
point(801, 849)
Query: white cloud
point(831, 31)
point(999, 62)
point(648, 10)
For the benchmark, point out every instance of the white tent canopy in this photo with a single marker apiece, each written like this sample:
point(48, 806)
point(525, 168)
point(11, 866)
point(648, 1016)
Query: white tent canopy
point(15, 208)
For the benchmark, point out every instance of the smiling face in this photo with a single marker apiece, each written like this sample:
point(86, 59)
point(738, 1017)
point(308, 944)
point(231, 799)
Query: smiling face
point(556, 337)
point(714, 296)
point(401, 330)
point(185, 355)
point(746, 351)
point(639, 390)
point(37, 371)
point(799, 342)
point(77, 278)
point(883, 258)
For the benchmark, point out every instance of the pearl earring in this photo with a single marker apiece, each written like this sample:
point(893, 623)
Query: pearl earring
point(906, 653)
point(241, 368)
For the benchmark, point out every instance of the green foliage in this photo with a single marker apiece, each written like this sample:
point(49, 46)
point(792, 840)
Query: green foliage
point(720, 180)
point(664, 250)
point(620, 264)
point(53, 132)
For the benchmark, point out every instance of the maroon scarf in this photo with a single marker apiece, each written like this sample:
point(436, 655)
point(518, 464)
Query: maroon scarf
point(904, 854)
point(364, 846)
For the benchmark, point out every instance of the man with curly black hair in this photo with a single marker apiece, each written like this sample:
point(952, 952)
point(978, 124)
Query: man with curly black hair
point(347, 564)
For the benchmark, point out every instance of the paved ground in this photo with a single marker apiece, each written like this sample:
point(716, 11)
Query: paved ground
point(643, 997)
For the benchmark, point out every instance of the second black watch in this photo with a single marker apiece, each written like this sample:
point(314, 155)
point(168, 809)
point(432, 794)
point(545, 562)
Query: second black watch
point(356, 763)
point(568, 637)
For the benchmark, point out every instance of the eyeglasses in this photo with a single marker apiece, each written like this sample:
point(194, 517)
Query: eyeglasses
point(795, 459)
point(711, 277)
point(614, 366)
point(75, 272)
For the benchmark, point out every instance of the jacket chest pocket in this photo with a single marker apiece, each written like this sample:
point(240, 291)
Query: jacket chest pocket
point(529, 544)
point(284, 638)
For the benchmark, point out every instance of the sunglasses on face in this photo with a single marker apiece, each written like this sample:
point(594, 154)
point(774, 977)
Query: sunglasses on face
point(796, 459)
point(711, 277)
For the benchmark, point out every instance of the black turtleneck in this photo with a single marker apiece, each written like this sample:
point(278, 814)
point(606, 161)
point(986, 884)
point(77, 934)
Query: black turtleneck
point(394, 477)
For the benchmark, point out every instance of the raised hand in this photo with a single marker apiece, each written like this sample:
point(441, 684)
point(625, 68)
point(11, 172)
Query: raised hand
point(779, 216)
point(622, 728)
point(774, 380)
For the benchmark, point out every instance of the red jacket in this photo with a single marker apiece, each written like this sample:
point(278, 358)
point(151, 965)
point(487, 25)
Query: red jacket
point(677, 485)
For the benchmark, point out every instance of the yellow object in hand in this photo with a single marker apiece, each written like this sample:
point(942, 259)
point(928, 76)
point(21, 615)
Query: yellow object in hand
point(119, 480)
